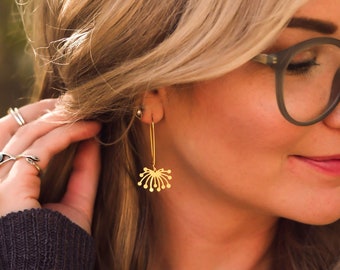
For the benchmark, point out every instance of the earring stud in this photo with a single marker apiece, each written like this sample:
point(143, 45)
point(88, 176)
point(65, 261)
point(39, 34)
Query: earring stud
point(139, 113)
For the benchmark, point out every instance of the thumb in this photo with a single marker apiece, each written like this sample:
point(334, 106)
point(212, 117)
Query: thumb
point(78, 201)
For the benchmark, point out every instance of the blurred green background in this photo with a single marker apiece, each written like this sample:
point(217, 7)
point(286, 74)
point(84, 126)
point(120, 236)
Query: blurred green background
point(16, 76)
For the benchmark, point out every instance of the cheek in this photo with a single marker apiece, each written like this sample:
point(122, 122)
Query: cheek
point(243, 120)
point(232, 140)
point(230, 126)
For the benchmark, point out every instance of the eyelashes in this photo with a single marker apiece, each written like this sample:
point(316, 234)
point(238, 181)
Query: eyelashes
point(303, 67)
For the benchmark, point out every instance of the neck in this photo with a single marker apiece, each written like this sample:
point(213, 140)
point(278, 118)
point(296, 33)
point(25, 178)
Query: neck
point(210, 236)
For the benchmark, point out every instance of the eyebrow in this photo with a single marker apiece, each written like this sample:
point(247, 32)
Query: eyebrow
point(323, 27)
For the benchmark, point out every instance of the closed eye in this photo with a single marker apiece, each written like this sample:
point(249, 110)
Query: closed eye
point(301, 68)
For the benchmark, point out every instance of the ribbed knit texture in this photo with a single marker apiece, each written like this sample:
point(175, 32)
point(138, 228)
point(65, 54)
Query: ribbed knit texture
point(43, 239)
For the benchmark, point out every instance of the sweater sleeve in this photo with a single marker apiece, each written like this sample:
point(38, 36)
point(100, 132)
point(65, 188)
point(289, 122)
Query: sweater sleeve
point(43, 239)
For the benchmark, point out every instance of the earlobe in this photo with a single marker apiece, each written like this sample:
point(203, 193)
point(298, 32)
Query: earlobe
point(152, 109)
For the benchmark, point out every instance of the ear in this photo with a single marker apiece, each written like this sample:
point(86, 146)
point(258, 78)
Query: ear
point(153, 106)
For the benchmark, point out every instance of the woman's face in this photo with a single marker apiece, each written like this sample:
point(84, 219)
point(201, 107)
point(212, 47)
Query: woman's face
point(226, 139)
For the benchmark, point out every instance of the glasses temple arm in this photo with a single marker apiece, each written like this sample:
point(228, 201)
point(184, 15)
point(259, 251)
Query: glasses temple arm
point(267, 59)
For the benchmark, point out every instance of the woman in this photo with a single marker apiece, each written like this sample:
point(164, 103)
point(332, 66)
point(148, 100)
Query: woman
point(237, 101)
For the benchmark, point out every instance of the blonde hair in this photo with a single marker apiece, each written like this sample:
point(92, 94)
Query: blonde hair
point(98, 56)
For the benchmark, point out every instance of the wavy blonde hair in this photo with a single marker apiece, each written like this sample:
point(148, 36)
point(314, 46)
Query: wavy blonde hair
point(99, 56)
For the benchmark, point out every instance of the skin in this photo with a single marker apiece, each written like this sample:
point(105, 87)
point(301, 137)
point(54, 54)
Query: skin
point(44, 136)
point(235, 166)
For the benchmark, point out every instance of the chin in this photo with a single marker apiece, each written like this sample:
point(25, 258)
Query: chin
point(317, 219)
point(313, 207)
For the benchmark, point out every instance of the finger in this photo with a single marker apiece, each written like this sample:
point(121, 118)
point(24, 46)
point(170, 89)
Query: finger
point(26, 135)
point(82, 188)
point(20, 195)
point(8, 124)
point(52, 143)
point(29, 112)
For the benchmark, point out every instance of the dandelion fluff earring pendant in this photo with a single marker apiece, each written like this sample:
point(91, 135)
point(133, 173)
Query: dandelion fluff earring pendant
point(154, 179)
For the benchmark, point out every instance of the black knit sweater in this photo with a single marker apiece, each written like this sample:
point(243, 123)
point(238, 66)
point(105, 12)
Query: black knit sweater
point(43, 239)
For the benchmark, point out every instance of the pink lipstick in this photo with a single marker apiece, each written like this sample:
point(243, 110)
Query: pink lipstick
point(327, 164)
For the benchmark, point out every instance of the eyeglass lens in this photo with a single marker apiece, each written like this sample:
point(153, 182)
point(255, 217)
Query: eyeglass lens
point(311, 81)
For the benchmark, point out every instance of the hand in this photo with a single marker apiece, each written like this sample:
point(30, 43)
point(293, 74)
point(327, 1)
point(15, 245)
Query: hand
point(44, 136)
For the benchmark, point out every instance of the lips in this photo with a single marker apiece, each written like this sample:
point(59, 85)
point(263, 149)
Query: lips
point(327, 164)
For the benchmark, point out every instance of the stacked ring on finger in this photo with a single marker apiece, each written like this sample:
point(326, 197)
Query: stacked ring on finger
point(32, 160)
point(4, 158)
point(17, 116)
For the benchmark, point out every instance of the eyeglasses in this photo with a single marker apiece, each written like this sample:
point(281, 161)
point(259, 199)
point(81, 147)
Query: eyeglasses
point(307, 77)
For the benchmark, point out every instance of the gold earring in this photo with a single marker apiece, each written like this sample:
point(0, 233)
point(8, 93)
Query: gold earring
point(154, 179)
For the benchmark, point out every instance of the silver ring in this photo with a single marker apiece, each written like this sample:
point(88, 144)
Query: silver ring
point(32, 160)
point(4, 158)
point(17, 116)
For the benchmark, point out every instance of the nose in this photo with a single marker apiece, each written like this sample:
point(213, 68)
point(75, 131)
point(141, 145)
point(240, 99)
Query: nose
point(333, 119)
